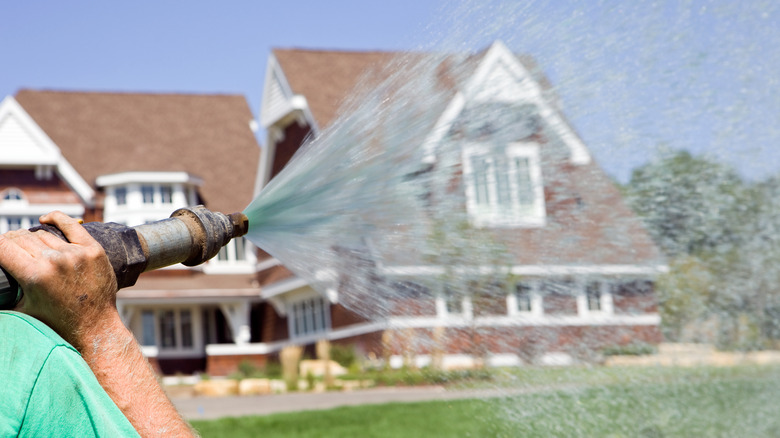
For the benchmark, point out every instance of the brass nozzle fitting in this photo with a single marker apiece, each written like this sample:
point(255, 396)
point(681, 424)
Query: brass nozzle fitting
point(240, 224)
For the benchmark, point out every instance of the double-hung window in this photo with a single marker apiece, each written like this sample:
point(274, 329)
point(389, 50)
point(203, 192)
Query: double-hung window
point(503, 185)
point(169, 329)
point(309, 316)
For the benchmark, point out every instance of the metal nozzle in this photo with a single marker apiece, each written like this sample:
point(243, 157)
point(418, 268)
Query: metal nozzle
point(240, 224)
point(190, 236)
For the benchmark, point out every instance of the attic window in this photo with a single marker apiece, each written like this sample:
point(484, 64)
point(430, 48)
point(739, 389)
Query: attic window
point(13, 195)
point(503, 185)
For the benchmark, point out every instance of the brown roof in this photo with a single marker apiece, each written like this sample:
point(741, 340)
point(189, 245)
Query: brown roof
point(587, 223)
point(207, 136)
point(327, 78)
point(587, 220)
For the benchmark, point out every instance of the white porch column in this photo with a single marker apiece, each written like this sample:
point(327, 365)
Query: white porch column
point(125, 312)
point(237, 315)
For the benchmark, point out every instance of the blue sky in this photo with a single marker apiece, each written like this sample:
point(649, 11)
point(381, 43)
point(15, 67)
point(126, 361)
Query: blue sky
point(633, 76)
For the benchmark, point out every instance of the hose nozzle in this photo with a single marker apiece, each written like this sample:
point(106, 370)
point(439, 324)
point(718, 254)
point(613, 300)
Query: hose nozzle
point(191, 236)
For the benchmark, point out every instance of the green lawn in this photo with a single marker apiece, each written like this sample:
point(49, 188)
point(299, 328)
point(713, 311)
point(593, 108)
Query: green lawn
point(597, 402)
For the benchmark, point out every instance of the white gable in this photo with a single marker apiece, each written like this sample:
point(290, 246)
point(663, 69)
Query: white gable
point(21, 140)
point(24, 143)
point(278, 108)
point(500, 77)
point(502, 84)
point(274, 97)
point(278, 98)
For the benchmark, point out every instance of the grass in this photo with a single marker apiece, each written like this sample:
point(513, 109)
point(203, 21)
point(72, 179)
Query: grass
point(570, 402)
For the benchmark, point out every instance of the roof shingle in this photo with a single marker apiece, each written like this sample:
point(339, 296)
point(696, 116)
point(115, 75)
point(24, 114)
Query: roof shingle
point(105, 133)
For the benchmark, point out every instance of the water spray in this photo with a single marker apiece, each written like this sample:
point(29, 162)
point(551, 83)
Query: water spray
point(190, 236)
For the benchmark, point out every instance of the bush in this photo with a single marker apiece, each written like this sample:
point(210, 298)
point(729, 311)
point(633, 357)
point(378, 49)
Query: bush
point(273, 370)
point(344, 355)
point(633, 349)
point(429, 376)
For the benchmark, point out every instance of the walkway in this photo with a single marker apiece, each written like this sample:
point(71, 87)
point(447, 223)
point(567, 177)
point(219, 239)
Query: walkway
point(206, 408)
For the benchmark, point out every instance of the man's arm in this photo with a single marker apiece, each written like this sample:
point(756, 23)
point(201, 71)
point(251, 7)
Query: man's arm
point(72, 288)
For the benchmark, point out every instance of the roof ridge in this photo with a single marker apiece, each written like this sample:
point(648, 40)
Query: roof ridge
point(127, 93)
point(340, 51)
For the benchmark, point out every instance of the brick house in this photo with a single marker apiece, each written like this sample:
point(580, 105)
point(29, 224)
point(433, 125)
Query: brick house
point(132, 158)
point(582, 269)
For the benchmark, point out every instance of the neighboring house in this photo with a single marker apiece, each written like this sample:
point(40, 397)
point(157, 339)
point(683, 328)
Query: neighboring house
point(133, 158)
point(583, 265)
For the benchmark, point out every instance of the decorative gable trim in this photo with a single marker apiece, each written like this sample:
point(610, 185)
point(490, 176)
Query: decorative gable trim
point(147, 177)
point(279, 108)
point(279, 101)
point(17, 129)
point(22, 141)
point(501, 66)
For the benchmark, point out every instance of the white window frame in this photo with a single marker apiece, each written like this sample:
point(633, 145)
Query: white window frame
point(534, 297)
point(178, 350)
point(604, 297)
point(136, 210)
point(13, 195)
point(503, 215)
point(230, 260)
point(310, 313)
point(466, 307)
point(24, 222)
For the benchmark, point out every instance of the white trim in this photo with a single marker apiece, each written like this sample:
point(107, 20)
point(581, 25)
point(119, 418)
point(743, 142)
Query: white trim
point(318, 316)
point(267, 264)
point(498, 52)
point(524, 320)
point(248, 349)
point(122, 178)
point(497, 214)
point(237, 315)
point(220, 267)
point(178, 350)
point(274, 76)
point(140, 297)
point(282, 287)
point(76, 182)
point(431, 322)
point(276, 119)
point(150, 350)
point(234, 264)
point(534, 270)
point(536, 300)
point(442, 126)
point(52, 155)
point(22, 209)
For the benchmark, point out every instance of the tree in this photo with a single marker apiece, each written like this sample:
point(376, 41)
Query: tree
point(704, 217)
point(689, 204)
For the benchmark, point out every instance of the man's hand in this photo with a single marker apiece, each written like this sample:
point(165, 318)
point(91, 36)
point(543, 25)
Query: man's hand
point(69, 286)
point(72, 288)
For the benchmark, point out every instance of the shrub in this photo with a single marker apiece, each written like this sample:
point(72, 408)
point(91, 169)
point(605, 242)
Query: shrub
point(273, 370)
point(344, 355)
point(632, 349)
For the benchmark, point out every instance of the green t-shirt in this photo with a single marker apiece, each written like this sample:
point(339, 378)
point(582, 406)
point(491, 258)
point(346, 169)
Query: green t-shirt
point(47, 389)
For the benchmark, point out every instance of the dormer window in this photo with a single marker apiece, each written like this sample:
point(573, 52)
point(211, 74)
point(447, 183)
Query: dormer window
point(14, 223)
point(147, 194)
point(120, 193)
point(166, 194)
point(134, 198)
point(13, 195)
point(503, 185)
point(234, 251)
point(234, 258)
